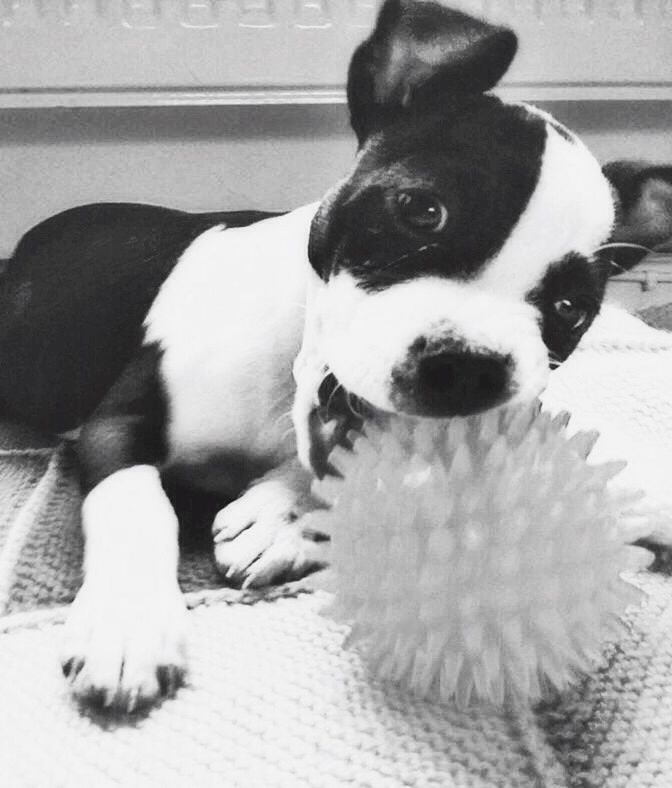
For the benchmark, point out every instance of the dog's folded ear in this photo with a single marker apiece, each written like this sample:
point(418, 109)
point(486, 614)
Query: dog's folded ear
point(419, 50)
point(643, 211)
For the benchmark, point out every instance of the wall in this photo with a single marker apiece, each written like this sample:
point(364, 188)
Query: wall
point(224, 157)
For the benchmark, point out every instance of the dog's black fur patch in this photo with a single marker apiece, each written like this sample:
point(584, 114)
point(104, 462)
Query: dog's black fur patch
point(579, 281)
point(73, 300)
point(479, 157)
point(128, 427)
point(418, 51)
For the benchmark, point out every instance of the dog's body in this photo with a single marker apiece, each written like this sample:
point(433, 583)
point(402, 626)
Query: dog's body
point(206, 290)
point(455, 264)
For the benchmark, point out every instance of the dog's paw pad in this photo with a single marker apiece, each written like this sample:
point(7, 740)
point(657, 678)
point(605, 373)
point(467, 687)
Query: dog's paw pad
point(125, 652)
point(269, 553)
point(235, 555)
point(291, 555)
point(171, 678)
point(265, 502)
point(259, 538)
point(133, 688)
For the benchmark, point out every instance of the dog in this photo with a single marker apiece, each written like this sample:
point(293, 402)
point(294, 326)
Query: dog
point(460, 260)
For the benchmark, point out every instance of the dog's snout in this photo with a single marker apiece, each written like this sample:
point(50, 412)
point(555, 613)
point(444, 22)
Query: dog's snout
point(452, 382)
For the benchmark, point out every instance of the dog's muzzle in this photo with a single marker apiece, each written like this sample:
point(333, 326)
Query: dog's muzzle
point(439, 382)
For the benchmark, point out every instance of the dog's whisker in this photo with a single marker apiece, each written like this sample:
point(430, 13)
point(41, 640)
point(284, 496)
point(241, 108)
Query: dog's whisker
point(401, 258)
point(618, 267)
point(623, 245)
point(325, 374)
point(349, 399)
point(287, 416)
point(329, 401)
point(287, 433)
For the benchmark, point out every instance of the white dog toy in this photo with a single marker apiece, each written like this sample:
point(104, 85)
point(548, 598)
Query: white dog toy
point(478, 559)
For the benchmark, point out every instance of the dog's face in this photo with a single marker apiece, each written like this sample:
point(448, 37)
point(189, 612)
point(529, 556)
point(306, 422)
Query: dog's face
point(459, 260)
point(458, 256)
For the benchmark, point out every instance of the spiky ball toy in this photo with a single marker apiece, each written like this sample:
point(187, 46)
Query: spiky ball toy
point(478, 559)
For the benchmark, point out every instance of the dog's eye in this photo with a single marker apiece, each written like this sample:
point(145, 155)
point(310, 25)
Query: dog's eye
point(421, 210)
point(570, 313)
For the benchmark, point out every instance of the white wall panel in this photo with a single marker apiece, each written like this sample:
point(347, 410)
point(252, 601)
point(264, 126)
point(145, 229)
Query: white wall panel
point(92, 52)
point(206, 104)
point(229, 157)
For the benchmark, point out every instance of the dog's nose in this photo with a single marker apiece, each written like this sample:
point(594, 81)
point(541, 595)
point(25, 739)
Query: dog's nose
point(455, 383)
point(463, 382)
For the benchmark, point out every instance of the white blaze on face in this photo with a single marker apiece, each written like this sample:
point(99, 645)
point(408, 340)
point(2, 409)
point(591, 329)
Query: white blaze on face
point(570, 211)
point(363, 336)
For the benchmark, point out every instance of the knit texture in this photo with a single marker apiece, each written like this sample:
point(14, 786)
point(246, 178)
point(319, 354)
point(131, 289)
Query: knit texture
point(41, 543)
point(659, 316)
point(275, 700)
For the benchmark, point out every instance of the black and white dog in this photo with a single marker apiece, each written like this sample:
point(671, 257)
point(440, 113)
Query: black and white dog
point(462, 257)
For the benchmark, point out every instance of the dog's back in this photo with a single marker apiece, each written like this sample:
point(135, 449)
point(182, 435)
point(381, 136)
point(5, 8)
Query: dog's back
point(73, 298)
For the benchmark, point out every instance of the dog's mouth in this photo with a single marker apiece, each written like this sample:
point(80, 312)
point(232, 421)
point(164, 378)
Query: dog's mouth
point(333, 422)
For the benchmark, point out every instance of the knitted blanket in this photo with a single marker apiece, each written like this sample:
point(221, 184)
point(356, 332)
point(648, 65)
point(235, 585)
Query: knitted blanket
point(275, 700)
point(41, 542)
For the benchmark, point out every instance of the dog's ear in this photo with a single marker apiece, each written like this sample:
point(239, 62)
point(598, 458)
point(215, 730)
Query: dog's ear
point(418, 50)
point(643, 211)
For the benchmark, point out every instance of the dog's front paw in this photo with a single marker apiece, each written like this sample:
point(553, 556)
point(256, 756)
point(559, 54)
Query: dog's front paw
point(260, 539)
point(125, 651)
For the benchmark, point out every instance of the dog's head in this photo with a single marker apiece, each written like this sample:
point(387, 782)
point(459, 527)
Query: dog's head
point(463, 255)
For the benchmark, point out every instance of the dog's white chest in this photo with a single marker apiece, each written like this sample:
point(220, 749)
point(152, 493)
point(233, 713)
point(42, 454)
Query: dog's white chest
point(229, 320)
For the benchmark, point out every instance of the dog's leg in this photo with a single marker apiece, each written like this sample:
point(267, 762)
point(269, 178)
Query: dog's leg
point(262, 538)
point(125, 634)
